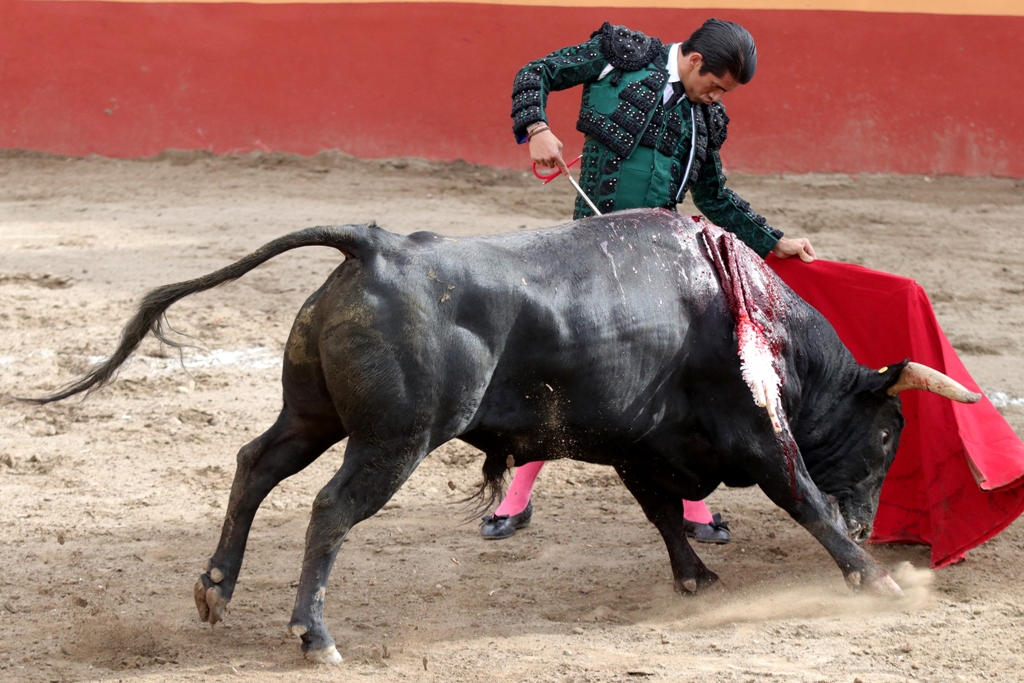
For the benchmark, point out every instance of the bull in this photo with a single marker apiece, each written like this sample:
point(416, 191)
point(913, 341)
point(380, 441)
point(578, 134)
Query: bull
point(644, 340)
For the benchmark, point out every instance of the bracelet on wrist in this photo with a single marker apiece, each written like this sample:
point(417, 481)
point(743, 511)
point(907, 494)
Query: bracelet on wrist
point(533, 131)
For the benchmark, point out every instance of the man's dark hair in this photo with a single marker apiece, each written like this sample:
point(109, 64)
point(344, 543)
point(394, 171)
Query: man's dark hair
point(726, 48)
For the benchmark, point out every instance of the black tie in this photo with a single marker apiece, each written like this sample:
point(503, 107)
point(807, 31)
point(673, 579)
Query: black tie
point(677, 94)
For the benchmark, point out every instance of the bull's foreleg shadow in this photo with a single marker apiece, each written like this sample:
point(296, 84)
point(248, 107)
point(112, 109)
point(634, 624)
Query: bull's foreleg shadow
point(292, 443)
point(791, 488)
point(370, 475)
point(665, 511)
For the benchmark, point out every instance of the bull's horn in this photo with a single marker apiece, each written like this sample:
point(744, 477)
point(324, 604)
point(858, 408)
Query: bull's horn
point(917, 376)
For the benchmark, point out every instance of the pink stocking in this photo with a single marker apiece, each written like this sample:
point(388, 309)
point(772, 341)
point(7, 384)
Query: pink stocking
point(519, 490)
point(697, 512)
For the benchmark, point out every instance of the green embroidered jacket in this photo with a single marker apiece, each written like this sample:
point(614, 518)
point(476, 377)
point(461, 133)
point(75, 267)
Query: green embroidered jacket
point(623, 112)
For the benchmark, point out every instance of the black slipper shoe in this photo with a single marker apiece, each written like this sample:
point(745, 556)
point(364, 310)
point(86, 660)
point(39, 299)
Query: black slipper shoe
point(495, 527)
point(717, 532)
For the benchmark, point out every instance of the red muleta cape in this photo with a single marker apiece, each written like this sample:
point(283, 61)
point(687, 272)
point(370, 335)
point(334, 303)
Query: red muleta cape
point(958, 477)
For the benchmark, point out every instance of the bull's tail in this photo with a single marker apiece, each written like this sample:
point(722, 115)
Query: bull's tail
point(490, 491)
point(352, 240)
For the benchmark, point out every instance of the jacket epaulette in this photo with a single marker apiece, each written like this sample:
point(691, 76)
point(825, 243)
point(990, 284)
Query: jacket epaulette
point(625, 49)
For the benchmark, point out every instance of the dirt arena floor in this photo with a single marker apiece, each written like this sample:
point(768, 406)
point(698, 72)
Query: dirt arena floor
point(108, 506)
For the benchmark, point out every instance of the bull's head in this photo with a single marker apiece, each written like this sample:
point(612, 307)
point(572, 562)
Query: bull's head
point(850, 457)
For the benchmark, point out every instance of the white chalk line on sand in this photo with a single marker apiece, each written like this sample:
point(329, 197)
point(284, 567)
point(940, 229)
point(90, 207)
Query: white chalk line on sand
point(262, 358)
point(1001, 399)
point(255, 358)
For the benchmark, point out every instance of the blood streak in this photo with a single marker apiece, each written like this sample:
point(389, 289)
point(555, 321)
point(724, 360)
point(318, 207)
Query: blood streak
point(758, 310)
point(738, 272)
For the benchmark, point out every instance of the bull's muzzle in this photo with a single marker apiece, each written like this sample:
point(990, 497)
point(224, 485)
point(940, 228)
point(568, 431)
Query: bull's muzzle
point(858, 521)
point(859, 532)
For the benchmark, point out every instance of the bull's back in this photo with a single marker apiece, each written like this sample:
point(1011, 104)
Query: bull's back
point(587, 326)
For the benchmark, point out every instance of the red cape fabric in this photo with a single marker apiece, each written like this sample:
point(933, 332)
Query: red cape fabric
point(958, 477)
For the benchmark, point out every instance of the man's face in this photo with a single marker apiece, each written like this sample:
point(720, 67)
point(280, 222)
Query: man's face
point(704, 88)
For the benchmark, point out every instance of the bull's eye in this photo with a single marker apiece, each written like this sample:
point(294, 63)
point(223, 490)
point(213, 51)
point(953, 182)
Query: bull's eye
point(885, 437)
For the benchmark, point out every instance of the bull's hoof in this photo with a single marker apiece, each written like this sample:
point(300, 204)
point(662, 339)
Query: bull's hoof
point(317, 643)
point(884, 585)
point(879, 583)
point(705, 579)
point(210, 600)
point(327, 655)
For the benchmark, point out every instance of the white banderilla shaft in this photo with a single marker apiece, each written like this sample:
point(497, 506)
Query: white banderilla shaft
point(583, 194)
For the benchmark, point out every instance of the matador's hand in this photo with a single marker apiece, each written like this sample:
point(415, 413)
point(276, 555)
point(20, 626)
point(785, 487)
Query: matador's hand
point(546, 151)
point(801, 246)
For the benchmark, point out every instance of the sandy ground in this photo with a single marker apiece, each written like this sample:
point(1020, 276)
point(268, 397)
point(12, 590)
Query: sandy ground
point(109, 505)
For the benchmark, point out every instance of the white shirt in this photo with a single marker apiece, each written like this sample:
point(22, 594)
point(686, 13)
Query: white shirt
point(673, 71)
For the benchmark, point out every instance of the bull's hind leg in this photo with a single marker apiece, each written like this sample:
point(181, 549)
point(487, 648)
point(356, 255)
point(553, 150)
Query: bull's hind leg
point(665, 511)
point(370, 475)
point(292, 443)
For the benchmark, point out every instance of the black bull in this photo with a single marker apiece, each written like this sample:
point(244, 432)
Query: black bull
point(612, 340)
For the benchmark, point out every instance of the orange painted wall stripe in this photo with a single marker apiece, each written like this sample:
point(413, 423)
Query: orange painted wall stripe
point(1009, 8)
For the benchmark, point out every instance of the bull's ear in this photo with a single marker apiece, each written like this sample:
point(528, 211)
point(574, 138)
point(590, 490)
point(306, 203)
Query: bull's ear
point(879, 381)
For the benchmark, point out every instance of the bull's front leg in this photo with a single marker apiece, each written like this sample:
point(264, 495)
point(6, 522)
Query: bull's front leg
point(782, 476)
point(370, 475)
point(665, 511)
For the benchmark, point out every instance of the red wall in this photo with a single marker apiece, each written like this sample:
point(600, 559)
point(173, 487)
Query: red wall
point(835, 91)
